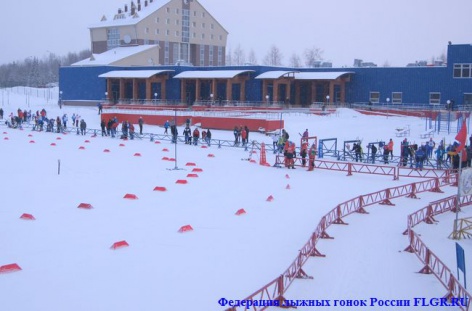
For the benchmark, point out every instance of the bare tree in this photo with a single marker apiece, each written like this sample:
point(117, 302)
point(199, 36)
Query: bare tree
point(239, 57)
point(295, 61)
point(229, 58)
point(273, 57)
point(313, 56)
point(252, 59)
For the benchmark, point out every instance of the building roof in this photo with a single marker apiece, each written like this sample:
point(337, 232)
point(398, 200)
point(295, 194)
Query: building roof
point(138, 74)
point(111, 56)
point(275, 74)
point(321, 75)
point(211, 74)
point(125, 18)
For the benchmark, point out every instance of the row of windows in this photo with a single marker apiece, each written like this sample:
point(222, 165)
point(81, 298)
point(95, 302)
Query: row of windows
point(397, 98)
point(184, 12)
point(185, 34)
point(462, 71)
point(177, 22)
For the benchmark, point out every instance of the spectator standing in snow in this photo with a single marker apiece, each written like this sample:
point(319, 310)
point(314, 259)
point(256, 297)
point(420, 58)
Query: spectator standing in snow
point(208, 137)
point(373, 149)
point(103, 126)
point(187, 133)
point(140, 123)
point(83, 127)
point(166, 126)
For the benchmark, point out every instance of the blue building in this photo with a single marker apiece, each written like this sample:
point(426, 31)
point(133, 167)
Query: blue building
point(187, 85)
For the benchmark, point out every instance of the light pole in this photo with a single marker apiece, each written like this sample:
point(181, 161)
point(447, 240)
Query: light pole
point(211, 98)
point(155, 98)
point(327, 100)
point(60, 99)
point(388, 101)
point(267, 99)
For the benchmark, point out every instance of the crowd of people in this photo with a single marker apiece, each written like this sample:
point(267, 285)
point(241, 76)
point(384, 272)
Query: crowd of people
point(411, 154)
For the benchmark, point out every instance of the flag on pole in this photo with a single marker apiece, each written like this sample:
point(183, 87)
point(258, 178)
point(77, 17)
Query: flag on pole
point(461, 137)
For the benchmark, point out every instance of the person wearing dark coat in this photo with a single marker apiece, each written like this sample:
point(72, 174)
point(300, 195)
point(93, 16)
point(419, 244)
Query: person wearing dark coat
point(174, 133)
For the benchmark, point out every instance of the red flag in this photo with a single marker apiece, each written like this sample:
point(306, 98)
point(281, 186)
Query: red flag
point(461, 137)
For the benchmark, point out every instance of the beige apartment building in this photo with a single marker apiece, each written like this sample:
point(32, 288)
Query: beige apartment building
point(184, 31)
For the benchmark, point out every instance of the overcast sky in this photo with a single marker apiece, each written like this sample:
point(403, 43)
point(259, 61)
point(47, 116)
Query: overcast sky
point(394, 32)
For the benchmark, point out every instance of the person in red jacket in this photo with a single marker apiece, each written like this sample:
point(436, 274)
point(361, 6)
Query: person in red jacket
point(196, 136)
point(243, 136)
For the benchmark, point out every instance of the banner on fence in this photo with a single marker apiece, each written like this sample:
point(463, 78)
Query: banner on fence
point(460, 256)
point(465, 187)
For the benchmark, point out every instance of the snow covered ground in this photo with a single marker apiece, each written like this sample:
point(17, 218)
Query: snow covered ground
point(65, 254)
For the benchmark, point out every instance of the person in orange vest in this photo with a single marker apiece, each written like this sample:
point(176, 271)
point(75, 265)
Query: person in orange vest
point(311, 156)
point(286, 143)
point(390, 148)
point(303, 152)
point(243, 136)
point(291, 155)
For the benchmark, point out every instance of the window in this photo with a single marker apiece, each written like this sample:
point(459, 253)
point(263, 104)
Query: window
point(374, 97)
point(462, 71)
point(202, 55)
point(167, 32)
point(166, 53)
point(146, 30)
point(203, 36)
point(466, 70)
point(212, 26)
point(397, 97)
point(221, 37)
point(194, 13)
point(203, 25)
point(177, 33)
point(210, 56)
point(194, 24)
point(157, 20)
point(212, 37)
point(203, 14)
point(220, 56)
point(467, 99)
point(176, 21)
point(157, 31)
point(168, 10)
point(194, 35)
point(176, 11)
point(168, 21)
point(434, 98)
point(113, 38)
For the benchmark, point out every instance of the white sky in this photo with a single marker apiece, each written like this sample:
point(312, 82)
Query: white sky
point(396, 32)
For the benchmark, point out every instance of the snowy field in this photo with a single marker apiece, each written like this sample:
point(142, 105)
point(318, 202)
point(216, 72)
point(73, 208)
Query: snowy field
point(65, 254)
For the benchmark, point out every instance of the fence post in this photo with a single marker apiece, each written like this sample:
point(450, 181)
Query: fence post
point(387, 201)
point(426, 269)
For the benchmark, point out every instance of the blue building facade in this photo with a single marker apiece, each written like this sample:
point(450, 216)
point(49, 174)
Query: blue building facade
point(426, 85)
